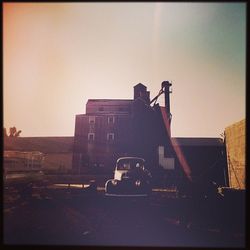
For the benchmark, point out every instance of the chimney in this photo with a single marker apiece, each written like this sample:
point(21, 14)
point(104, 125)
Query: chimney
point(165, 86)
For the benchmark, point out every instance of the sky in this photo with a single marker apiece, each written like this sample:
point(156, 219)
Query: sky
point(56, 56)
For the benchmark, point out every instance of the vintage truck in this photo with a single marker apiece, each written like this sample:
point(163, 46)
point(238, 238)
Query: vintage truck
point(131, 178)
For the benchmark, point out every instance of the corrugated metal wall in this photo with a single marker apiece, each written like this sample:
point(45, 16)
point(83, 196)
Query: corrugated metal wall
point(235, 144)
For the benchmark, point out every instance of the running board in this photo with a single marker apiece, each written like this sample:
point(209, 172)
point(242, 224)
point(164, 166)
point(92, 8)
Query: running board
point(127, 195)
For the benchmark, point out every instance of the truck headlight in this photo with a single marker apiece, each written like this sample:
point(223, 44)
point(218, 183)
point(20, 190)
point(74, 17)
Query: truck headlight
point(114, 182)
point(138, 183)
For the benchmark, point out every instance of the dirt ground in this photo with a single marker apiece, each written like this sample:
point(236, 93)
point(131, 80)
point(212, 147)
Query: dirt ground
point(76, 217)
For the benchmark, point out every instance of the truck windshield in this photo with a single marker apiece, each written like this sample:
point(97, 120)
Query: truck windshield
point(129, 164)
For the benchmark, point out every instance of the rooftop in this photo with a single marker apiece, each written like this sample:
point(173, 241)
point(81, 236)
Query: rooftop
point(196, 141)
point(41, 144)
point(140, 85)
point(109, 101)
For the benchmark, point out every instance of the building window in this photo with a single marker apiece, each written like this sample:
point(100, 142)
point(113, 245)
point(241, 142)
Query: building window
point(111, 119)
point(91, 136)
point(91, 119)
point(110, 137)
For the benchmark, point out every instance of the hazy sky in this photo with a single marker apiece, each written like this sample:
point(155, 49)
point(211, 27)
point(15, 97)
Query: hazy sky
point(59, 55)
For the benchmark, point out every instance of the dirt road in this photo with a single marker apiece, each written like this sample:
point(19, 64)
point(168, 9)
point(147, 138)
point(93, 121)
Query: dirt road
point(73, 217)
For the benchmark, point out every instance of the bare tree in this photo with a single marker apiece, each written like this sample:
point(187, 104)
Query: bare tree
point(17, 134)
point(13, 132)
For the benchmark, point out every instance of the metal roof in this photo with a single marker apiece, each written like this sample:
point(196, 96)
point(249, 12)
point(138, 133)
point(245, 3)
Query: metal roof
point(41, 144)
point(196, 141)
point(109, 101)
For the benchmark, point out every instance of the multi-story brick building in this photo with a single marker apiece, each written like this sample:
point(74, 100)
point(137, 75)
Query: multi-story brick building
point(115, 128)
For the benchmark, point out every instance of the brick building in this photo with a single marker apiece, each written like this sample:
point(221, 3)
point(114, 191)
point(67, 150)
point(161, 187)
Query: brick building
point(115, 128)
